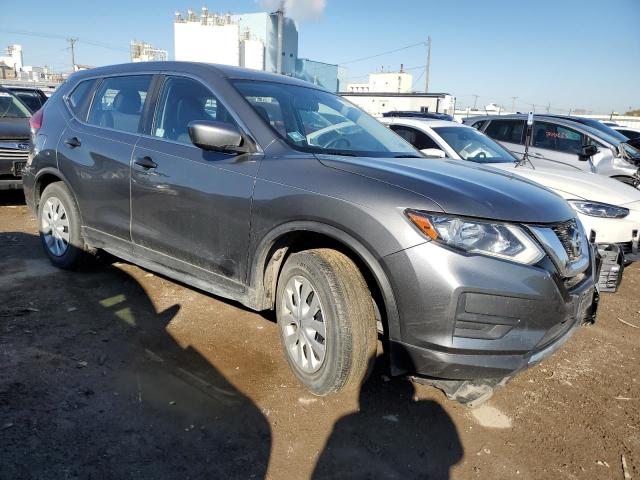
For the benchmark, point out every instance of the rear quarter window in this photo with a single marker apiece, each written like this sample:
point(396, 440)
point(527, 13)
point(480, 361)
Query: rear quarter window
point(80, 98)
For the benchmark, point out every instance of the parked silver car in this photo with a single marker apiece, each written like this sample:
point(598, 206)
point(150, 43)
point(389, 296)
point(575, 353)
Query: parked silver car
point(568, 143)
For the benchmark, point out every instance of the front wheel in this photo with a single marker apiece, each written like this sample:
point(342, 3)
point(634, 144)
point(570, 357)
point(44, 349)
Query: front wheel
point(326, 319)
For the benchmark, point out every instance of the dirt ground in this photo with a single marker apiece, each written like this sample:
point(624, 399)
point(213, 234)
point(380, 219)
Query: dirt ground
point(114, 372)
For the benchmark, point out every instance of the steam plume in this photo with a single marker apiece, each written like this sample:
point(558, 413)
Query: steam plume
point(299, 10)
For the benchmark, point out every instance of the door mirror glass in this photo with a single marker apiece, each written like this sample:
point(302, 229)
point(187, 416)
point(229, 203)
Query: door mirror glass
point(210, 135)
point(433, 153)
point(587, 152)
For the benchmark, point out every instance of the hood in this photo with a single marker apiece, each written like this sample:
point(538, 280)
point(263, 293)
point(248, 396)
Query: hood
point(14, 129)
point(577, 184)
point(462, 188)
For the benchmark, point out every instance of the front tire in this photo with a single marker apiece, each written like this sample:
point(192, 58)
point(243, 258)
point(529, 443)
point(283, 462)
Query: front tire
point(59, 225)
point(327, 321)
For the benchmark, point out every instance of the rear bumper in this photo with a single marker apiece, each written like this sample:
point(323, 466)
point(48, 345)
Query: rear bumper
point(472, 317)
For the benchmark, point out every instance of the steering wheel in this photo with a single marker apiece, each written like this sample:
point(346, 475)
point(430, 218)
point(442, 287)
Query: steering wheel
point(481, 155)
point(338, 143)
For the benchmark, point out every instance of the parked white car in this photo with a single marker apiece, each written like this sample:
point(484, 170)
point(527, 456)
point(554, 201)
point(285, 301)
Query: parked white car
point(605, 206)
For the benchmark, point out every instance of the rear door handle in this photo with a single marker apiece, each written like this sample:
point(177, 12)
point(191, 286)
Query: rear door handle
point(145, 162)
point(73, 142)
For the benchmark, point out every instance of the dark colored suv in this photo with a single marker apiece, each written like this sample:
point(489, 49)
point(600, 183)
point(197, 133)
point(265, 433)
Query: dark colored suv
point(14, 139)
point(280, 195)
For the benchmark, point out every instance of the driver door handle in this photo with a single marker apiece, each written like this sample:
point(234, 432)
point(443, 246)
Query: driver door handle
point(145, 162)
point(73, 142)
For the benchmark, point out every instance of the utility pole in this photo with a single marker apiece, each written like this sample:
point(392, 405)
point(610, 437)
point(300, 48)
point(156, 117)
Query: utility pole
point(548, 107)
point(426, 80)
point(280, 15)
point(475, 101)
point(72, 44)
point(513, 104)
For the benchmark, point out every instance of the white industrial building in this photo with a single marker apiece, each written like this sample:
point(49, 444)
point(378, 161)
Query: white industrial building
point(382, 82)
point(377, 103)
point(12, 57)
point(145, 52)
point(393, 91)
point(249, 40)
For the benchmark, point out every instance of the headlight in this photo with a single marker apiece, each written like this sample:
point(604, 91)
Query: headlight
point(475, 236)
point(597, 209)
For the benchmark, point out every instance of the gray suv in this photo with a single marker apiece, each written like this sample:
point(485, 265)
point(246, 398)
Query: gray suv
point(277, 194)
point(564, 143)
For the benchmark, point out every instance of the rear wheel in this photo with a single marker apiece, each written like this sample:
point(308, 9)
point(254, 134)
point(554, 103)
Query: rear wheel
point(326, 320)
point(59, 225)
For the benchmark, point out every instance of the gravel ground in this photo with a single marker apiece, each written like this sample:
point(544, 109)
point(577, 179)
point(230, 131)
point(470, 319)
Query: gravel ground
point(115, 372)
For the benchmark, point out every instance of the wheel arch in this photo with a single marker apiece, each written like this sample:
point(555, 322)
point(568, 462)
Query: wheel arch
point(46, 177)
point(285, 239)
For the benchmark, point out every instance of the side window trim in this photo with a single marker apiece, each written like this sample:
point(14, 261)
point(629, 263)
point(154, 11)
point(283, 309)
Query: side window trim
point(67, 101)
point(150, 108)
point(240, 123)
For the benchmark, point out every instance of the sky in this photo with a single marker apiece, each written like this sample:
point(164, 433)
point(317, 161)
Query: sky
point(569, 54)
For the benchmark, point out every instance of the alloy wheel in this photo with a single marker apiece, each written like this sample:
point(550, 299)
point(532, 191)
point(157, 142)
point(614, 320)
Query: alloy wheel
point(303, 325)
point(54, 225)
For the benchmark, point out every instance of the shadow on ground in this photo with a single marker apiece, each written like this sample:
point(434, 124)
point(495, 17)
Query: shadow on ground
point(92, 385)
point(11, 198)
point(96, 382)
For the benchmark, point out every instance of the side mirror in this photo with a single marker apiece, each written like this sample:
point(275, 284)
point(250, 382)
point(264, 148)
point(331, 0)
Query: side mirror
point(587, 152)
point(218, 136)
point(433, 153)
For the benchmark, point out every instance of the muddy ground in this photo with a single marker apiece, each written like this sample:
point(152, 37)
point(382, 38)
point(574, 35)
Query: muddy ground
point(114, 372)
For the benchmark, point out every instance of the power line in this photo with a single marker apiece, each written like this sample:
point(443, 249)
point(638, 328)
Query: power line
point(62, 37)
point(382, 53)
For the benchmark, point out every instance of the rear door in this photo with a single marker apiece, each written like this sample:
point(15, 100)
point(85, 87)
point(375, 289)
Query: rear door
point(558, 144)
point(510, 133)
point(95, 152)
point(190, 207)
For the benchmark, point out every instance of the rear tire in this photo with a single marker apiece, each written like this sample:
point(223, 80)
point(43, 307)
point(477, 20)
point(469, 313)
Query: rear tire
point(326, 319)
point(60, 227)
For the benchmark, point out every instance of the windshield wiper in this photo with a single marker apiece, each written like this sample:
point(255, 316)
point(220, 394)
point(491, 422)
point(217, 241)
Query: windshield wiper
point(407, 156)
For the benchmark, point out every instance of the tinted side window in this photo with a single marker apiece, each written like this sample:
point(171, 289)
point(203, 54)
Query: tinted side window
point(184, 100)
point(415, 137)
point(629, 133)
point(118, 103)
point(556, 137)
point(30, 99)
point(506, 130)
point(478, 125)
point(80, 98)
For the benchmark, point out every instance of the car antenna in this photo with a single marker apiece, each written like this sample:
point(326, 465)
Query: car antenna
point(527, 142)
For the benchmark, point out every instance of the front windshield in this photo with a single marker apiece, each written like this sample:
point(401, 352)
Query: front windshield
point(316, 121)
point(474, 146)
point(11, 107)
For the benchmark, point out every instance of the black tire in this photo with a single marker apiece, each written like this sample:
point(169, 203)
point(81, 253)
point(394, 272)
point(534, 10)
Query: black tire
point(631, 181)
point(76, 252)
point(347, 313)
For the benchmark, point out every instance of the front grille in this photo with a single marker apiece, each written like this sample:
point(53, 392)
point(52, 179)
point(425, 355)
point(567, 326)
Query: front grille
point(565, 232)
point(13, 154)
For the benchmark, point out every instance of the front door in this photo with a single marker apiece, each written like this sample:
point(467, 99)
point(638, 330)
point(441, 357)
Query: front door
point(191, 208)
point(558, 144)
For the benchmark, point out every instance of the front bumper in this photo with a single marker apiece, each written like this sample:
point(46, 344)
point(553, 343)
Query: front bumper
point(465, 317)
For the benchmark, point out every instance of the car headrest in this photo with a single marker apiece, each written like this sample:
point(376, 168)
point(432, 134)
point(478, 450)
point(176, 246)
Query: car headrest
point(189, 109)
point(127, 101)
